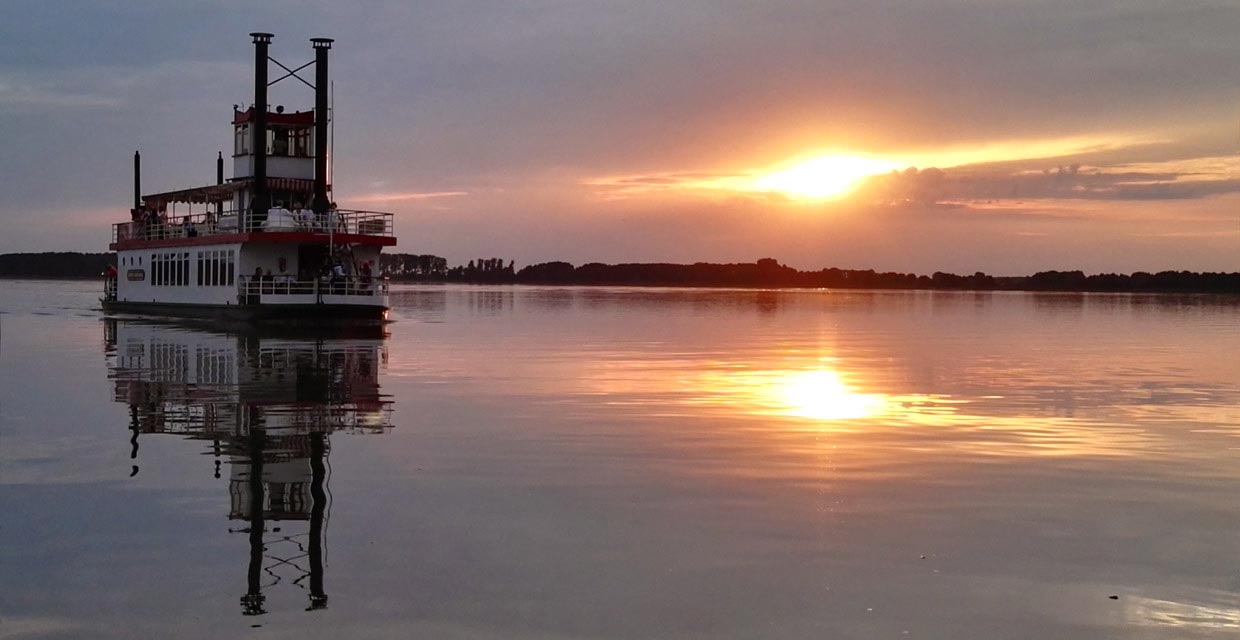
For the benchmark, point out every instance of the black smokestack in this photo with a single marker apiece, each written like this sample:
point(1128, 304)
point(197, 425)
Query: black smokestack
point(260, 201)
point(137, 180)
point(321, 47)
point(219, 179)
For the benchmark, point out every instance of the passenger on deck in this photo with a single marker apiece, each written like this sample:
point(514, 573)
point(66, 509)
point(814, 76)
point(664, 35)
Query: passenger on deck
point(148, 224)
point(136, 222)
point(278, 218)
point(159, 220)
point(334, 220)
point(338, 277)
point(299, 216)
point(187, 228)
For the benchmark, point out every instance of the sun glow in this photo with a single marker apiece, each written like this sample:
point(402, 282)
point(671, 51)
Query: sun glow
point(821, 394)
point(823, 177)
point(836, 173)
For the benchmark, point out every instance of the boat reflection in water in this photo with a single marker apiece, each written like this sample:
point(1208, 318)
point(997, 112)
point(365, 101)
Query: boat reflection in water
point(267, 404)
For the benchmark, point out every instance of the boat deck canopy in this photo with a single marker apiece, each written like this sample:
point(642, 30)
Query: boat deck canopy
point(216, 193)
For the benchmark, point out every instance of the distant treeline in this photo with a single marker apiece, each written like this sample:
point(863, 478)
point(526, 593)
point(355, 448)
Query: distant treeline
point(407, 266)
point(766, 272)
point(769, 273)
point(55, 265)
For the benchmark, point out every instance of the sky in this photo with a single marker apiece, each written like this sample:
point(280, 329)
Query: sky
point(940, 135)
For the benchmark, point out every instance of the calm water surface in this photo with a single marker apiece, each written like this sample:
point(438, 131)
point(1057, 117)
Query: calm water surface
point(627, 463)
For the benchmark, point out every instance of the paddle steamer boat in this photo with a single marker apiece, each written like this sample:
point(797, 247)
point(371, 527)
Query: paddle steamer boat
point(269, 243)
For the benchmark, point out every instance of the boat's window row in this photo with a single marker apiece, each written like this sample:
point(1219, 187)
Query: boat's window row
point(295, 142)
point(170, 269)
point(217, 268)
point(129, 261)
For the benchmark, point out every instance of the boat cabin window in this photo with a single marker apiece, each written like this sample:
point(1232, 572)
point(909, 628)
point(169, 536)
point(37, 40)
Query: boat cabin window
point(241, 144)
point(216, 268)
point(299, 142)
point(289, 141)
point(170, 269)
point(295, 142)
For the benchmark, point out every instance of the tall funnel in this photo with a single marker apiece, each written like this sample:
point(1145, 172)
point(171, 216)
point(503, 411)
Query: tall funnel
point(260, 201)
point(219, 179)
point(137, 181)
point(321, 47)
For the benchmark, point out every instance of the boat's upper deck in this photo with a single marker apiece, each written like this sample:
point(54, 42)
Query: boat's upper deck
point(279, 225)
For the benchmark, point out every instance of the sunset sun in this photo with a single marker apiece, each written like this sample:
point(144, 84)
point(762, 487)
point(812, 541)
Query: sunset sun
point(822, 177)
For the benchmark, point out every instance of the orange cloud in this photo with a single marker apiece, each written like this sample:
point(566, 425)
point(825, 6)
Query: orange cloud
point(412, 195)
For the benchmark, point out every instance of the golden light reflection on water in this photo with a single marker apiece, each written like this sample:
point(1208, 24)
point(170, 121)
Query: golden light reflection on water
point(1218, 615)
point(827, 397)
point(820, 393)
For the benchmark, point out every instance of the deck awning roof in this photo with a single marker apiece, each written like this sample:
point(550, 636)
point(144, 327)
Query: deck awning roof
point(210, 195)
point(215, 193)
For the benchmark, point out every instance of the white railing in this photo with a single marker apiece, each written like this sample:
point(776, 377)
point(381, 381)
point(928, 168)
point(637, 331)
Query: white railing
point(253, 287)
point(338, 221)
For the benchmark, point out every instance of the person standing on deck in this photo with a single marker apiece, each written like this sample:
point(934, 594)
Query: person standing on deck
point(338, 275)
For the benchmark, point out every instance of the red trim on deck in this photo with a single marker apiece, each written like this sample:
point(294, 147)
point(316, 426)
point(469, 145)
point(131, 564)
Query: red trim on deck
point(266, 237)
point(296, 118)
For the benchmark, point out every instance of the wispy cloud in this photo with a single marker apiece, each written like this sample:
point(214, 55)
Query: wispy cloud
point(629, 186)
point(998, 158)
point(1170, 180)
point(15, 92)
point(405, 196)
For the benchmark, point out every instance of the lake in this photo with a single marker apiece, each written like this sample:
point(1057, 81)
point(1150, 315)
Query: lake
point(541, 462)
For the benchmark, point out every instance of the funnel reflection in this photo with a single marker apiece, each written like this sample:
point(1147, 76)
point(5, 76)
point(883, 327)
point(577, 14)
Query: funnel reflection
point(266, 406)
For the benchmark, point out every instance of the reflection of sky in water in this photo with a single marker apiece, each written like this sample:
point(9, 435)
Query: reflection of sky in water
point(676, 463)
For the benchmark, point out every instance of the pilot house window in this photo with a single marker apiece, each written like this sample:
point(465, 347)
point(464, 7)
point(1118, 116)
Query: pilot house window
point(291, 142)
point(241, 144)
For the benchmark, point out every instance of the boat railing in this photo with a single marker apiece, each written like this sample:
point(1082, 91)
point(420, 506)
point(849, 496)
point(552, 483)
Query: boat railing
point(252, 287)
point(109, 289)
point(336, 221)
